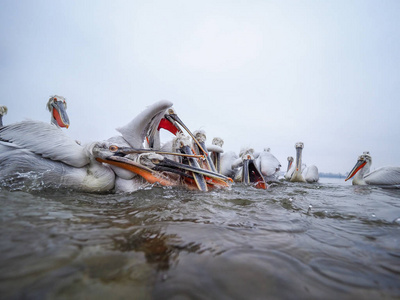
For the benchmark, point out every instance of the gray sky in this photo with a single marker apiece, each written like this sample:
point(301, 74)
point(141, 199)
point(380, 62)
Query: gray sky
point(256, 73)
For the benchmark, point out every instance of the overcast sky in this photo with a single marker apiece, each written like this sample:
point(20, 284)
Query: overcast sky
point(256, 73)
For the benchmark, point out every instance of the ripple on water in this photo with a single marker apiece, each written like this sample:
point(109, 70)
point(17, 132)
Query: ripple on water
point(227, 244)
point(348, 273)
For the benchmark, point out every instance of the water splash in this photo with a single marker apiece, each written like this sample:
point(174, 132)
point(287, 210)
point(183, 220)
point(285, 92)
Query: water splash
point(309, 209)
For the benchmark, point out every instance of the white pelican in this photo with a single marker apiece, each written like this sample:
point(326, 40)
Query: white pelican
point(290, 168)
point(38, 152)
point(215, 150)
point(300, 172)
point(297, 172)
point(268, 165)
point(3, 111)
point(224, 162)
point(248, 173)
point(58, 109)
point(381, 176)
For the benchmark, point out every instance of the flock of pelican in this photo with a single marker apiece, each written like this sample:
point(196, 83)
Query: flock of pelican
point(35, 152)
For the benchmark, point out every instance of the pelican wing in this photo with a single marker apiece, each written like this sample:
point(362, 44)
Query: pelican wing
point(267, 163)
point(384, 176)
point(45, 140)
point(148, 120)
point(227, 159)
point(214, 148)
point(311, 174)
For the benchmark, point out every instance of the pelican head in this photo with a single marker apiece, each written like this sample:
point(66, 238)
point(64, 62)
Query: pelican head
point(299, 148)
point(200, 135)
point(299, 145)
point(290, 162)
point(3, 111)
point(180, 141)
point(246, 153)
point(218, 141)
point(58, 109)
point(363, 163)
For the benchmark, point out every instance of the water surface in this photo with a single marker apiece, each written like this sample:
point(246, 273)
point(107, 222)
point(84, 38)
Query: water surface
point(293, 241)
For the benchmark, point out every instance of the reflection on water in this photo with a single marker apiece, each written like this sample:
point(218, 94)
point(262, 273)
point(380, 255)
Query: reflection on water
point(305, 241)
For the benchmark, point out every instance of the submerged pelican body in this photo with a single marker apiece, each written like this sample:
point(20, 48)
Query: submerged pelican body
point(382, 176)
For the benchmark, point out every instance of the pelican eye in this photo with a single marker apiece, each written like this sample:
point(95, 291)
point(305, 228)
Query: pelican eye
point(113, 148)
point(155, 161)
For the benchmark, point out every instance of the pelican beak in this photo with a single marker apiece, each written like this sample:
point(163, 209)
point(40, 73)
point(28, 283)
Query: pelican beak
point(155, 174)
point(60, 114)
point(298, 159)
point(289, 166)
point(202, 177)
point(358, 166)
point(251, 175)
point(145, 172)
point(172, 116)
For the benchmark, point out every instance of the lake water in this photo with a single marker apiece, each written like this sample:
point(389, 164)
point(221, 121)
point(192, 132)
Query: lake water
point(329, 240)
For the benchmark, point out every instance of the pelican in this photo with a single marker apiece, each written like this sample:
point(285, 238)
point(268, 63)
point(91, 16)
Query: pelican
point(248, 173)
point(381, 176)
point(290, 168)
point(39, 153)
point(297, 172)
point(3, 111)
point(300, 172)
point(57, 107)
point(215, 150)
point(268, 165)
point(226, 163)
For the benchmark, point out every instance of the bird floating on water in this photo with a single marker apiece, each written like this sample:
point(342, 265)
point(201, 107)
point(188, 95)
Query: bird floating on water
point(383, 176)
point(300, 172)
